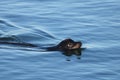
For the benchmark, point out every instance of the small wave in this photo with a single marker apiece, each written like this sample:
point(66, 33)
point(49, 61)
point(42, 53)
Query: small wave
point(9, 29)
point(6, 28)
point(23, 49)
point(15, 36)
point(6, 23)
point(43, 33)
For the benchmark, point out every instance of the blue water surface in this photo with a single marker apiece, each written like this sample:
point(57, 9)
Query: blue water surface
point(96, 23)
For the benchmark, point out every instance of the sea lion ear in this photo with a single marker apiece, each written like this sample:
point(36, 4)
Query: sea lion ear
point(68, 40)
point(65, 42)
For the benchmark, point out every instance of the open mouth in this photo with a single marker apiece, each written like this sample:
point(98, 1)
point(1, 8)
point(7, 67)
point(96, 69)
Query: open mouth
point(76, 46)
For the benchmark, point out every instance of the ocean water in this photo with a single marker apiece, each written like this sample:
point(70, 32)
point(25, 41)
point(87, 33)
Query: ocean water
point(96, 23)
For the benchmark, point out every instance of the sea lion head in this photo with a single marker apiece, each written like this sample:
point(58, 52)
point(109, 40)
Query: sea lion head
point(69, 44)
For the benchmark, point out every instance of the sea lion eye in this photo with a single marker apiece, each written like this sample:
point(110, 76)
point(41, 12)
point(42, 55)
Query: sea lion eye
point(69, 45)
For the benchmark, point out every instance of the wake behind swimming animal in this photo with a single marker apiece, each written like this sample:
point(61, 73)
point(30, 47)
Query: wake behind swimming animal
point(67, 46)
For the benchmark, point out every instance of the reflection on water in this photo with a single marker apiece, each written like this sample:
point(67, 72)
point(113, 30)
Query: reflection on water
point(69, 53)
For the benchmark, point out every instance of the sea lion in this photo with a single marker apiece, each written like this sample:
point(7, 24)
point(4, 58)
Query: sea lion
point(68, 47)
